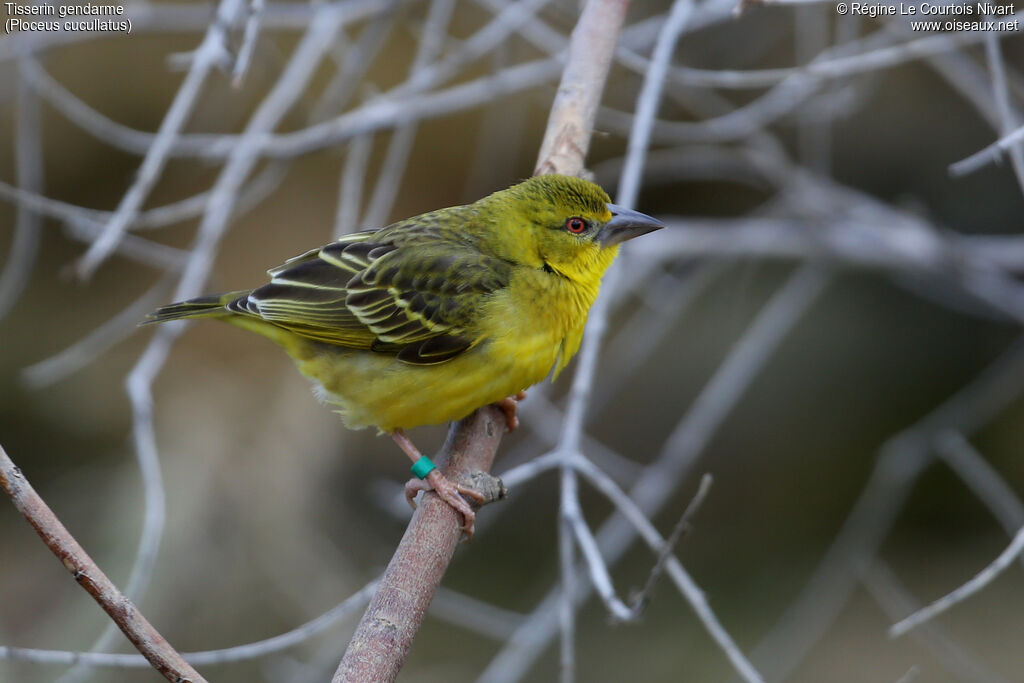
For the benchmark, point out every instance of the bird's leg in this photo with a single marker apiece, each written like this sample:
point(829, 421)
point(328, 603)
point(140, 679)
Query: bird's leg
point(509, 406)
point(449, 491)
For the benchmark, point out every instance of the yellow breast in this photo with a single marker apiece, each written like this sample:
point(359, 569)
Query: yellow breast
point(525, 329)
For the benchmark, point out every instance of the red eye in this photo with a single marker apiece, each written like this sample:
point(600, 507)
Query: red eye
point(576, 225)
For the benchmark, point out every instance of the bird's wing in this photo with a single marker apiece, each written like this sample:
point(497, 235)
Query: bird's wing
point(417, 301)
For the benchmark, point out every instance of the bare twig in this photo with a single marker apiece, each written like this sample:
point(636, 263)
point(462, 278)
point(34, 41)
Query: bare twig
point(259, 648)
point(400, 146)
point(987, 485)
point(989, 154)
point(636, 517)
point(201, 145)
point(86, 349)
point(206, 57)
point(389, 112)
point(28, 226)
point(1008, 119)
point(570, 519)
point(982, 579)
point(682, 527)
point(893, 598)
point(249, 37)
point(353, 59)
point(132, 247)
point(475, 615)
point(59, 540)
point(88, 221)
point(346, 218)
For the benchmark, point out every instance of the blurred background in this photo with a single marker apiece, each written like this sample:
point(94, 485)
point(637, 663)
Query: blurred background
point(830, 327)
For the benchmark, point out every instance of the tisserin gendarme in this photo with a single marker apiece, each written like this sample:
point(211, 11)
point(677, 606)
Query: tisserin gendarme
point(426, 320)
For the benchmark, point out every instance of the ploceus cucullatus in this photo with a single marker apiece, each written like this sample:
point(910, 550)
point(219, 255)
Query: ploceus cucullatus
point(430, 318)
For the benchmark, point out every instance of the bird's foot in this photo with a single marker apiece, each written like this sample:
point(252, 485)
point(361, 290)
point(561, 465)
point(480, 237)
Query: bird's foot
point(451, 493)
point(510, 406)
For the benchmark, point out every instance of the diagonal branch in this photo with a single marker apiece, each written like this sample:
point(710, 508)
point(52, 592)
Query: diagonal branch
point(59, 540)
point(384, 636)
point(574, 110)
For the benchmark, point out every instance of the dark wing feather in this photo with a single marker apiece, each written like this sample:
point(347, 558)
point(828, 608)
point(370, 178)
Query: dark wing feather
point(404, 293)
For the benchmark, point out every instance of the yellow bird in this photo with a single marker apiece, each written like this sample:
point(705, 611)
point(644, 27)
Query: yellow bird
point(428, 319)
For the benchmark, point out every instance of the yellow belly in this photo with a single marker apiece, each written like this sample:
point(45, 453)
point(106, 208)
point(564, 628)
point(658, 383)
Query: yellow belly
point(371, 389)
point(523, 331)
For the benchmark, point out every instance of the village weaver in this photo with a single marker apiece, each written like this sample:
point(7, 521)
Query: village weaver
point(432, 317)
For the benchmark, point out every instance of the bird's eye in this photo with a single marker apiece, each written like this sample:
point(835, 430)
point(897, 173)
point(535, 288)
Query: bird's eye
point(575, 225)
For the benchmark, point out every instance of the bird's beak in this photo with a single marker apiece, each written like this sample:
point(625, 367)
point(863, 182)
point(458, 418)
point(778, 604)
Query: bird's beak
point(625, 225)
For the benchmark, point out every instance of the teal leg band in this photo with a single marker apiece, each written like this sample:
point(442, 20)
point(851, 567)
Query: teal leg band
point(422, 467)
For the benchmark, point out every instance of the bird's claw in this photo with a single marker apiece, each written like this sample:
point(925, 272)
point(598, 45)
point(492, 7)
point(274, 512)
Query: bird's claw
point(449, 492)
point(510, 406)
point(412, 489)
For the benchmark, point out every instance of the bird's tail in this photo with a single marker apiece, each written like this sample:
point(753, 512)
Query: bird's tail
point(211, 306)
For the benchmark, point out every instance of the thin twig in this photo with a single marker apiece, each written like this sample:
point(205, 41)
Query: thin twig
point(634, 516)
point(1008, 119)
point(569, 519)
point(249, 37)
point(353, 60)
point(133, 247)
point(982, 479)
point(893, 598)
point(27, 228)
point(206, 57)
point(681, 528)
point(980, 581)
point(988, 154)
point(900, 461)
point(476, 616)
point(357, 157)
point(387, 112)
point(89, 221)
point(61, 543)
point(215, 146)
point(260, 648)
point(400, 146)
point(86, 349)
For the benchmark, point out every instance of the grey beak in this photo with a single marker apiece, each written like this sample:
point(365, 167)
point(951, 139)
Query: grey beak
point(625, 225)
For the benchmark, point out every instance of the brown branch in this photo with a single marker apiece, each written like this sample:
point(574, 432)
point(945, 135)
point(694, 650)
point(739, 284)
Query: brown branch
point(125, 614)
point(571, 122)
point(639, 601)
point(384, 636)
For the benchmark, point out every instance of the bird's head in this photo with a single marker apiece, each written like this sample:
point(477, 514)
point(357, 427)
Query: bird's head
point(565, 224)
